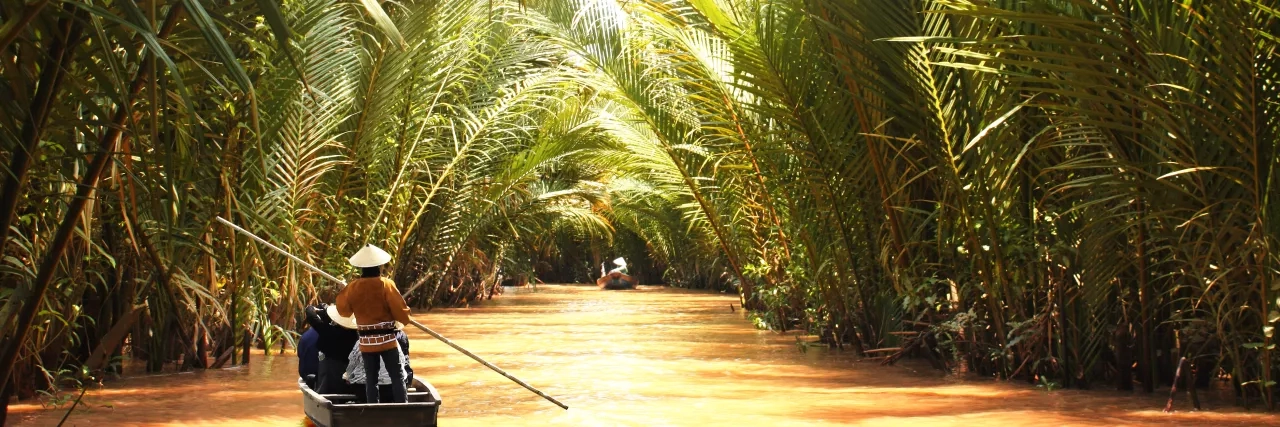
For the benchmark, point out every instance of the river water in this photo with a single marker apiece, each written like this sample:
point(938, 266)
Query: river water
point(654, 356)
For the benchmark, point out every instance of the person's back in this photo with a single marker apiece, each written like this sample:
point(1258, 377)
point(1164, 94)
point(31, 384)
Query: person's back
point(337, 338)
point(337, 335)
point(308, 355)
point(377, 306)
point(375, 302)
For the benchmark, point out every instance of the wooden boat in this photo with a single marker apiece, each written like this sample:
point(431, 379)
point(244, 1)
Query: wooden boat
point(341, 410)
point(616, 280)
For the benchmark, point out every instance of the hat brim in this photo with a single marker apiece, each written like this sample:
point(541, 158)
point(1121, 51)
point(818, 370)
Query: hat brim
point(348, 322)
point(370, 256)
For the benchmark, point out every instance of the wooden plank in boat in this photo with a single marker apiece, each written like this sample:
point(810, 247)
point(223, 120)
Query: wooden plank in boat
point(414, 397)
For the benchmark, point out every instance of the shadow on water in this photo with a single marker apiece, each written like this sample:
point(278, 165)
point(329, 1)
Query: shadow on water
point(651, 356)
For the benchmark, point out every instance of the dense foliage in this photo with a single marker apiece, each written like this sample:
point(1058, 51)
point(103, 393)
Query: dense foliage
point(1055, 189)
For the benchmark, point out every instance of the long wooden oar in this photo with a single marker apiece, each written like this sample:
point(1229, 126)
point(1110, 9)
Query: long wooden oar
point(414, 322)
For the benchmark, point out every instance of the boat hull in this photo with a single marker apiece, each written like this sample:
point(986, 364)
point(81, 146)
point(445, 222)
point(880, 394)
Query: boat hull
point(342, 410)
point(616, 280)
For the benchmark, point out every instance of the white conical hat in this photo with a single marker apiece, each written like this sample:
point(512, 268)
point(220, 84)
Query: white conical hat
point(620, 262)
point(348, 322)
point(370, 256)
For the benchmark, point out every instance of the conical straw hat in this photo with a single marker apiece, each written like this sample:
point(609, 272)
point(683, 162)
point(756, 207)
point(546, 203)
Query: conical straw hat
point(348, 322)
point(370, 256)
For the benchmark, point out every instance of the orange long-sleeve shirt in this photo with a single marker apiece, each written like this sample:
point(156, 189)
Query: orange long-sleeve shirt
point(373, 300)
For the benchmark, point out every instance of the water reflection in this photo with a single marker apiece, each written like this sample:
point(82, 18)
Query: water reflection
point(654, 356)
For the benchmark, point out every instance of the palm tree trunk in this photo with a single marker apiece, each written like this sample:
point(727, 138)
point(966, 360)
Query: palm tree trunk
point(61, 239)
point(846, 66)
point(61, 51)
point(1268, 387)
point(15, 27)
point(71, 220)
point(1146, 369)
point(6, 390)
point(716, 227)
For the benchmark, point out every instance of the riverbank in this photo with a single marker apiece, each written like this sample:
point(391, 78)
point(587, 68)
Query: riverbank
point(654, 356)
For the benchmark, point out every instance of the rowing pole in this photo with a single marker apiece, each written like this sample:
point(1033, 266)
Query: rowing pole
point(414, 322)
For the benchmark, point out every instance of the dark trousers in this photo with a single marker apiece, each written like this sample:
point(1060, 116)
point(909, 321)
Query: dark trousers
point(390, 359)
point(329, 380)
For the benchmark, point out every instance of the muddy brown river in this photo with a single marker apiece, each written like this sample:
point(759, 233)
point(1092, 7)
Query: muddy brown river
point(654, 356)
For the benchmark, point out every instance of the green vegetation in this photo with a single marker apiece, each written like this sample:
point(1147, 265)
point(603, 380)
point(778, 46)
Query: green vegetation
point(1060, 189)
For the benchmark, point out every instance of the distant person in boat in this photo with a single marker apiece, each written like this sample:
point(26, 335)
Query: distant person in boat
point(616, 278)
point(621, 266)
point(377, 305)
point(357, 379)
point(336, 339)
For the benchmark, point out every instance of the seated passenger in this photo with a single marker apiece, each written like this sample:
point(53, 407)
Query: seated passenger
point(308, 357)
point(336, 338)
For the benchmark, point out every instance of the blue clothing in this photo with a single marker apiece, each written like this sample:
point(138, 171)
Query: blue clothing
point(308, 353)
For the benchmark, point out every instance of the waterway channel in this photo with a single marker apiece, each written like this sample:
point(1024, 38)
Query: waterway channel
point(655, 356)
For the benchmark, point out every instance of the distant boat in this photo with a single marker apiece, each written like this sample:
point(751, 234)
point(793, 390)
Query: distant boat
point(341, 410)
point(616, 280)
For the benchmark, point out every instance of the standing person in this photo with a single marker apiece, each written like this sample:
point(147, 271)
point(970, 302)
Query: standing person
point(377, 305)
